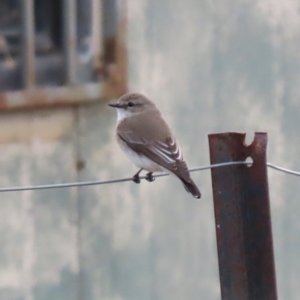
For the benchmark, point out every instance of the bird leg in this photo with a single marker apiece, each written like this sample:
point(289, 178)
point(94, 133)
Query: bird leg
point(149, 177)
point(136, 177)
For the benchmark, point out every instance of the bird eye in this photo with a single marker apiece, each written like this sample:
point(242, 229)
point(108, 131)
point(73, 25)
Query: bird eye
point(130, 104)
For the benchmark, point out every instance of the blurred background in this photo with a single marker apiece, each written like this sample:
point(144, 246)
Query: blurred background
point(210, 66)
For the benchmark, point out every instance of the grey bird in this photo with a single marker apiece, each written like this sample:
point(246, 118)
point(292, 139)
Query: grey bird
point(146, 139)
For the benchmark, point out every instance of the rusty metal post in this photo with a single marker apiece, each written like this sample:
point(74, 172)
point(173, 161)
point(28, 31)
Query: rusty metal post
point(243, 220)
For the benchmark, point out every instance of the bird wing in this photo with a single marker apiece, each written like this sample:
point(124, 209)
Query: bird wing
point(166, 152)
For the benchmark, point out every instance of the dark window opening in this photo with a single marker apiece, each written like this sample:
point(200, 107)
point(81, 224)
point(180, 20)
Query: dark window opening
point(52, 60)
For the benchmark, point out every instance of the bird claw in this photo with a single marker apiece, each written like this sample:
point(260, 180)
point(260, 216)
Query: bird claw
point(136, 178)
point(149, 177)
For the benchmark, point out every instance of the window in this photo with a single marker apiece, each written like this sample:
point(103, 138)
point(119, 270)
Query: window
point(59, 49)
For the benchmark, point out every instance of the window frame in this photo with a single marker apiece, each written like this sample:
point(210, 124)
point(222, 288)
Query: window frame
point(109, 70)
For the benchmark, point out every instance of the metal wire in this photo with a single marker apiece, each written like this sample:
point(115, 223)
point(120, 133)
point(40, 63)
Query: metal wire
point(283, 169)
point(99, 182)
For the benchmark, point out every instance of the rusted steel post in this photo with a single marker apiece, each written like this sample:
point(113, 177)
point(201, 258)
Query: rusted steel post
point(243, 220)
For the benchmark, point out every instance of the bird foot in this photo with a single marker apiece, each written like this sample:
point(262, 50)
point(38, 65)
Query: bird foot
point(136, 178)
point(149, 177)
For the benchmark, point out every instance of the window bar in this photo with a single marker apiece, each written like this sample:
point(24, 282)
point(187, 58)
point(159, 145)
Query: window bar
point(97, 36)
point(28, 44)
point(70, 41)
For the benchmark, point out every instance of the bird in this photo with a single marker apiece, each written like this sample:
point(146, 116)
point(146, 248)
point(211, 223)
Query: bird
point(146, 139)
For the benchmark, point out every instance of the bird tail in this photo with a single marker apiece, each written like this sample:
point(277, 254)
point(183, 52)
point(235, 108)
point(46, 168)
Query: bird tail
point(191, 187)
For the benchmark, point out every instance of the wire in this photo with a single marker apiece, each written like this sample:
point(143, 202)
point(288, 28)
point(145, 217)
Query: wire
point(283, 169)
point(99, 182)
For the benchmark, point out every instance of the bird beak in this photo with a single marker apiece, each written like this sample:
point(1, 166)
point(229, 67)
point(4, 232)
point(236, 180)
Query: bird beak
point(117, 105)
